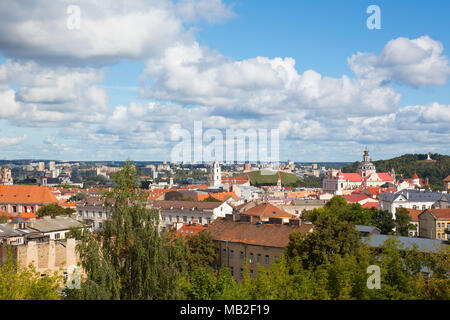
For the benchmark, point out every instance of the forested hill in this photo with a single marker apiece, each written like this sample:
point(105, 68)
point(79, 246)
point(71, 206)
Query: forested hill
point(436, 169)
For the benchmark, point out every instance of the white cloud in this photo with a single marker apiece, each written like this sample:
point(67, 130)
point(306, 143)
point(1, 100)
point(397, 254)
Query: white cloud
point(414, 62)
point(12, 141)
point(109, 30)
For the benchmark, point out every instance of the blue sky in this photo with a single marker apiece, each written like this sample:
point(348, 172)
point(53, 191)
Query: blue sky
point(139, 72)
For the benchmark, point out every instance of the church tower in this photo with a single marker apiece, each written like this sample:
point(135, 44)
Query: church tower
point(366, 168)
point(215, 175)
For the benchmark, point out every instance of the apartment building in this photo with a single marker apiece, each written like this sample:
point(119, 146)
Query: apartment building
point(252, 242)
point(434, 224)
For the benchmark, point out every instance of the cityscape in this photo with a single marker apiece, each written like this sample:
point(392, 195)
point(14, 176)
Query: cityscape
point(190, 150)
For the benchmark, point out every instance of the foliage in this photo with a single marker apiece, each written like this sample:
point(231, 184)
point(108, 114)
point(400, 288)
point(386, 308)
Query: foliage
point(211, 199)
point(402, 221)
point(130, 259)
point(78, 197)
point(53, 210)
point(409, 164)
point(18, 283)
point(201, 250)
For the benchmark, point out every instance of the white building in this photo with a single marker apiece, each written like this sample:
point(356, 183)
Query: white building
point(413, 199)
point(203, 213)
point(215, 175)
point(336, 182)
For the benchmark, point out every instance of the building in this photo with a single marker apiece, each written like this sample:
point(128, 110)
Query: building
point(446, 182)
point(41, 166)
point(246, 241)
point(204, 213)
point(433, 223)
point(414, 219)
point(42, 242)
point(336, 182)
point(265, 211)
point(17, 199)
point(298, 206)
point(413, 199)
point(215, 175)
point(93, 212)
point(6, 177)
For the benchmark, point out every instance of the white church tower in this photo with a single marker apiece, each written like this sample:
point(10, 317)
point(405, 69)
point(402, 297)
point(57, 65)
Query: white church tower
point(215, 175)
point(366, 168)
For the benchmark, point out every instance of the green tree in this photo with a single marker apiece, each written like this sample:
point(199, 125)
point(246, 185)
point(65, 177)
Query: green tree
point(403, 222)
point(53, 210)
point(329, 237)
point(211, 199)
point(201, 250)
point(24, 283)
point(382, 219)
point(129, 259)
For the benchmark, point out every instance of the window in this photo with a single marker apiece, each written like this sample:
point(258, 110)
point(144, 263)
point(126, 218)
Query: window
point(251, 273)
point(232, 271)
point(170, 218)
point(100, 214)
point(251, 258)
point(231, 254)
point(184, 219)
point(208, 220)
point(192, 218)
point(439, 225)
point(100, 225)
point(178, 218)
point(258, 258)
point(241, 273)
point(241, 255)
point(224, 253)
point(200, 220)
point(267, 259)
point(424, 207)
point(56, 235)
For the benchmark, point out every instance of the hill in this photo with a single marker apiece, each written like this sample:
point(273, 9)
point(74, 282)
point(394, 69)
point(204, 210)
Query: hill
point(287, 179)
point(406, 165)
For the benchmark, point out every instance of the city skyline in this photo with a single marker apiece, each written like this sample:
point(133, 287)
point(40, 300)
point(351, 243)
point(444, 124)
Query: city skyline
point(132, 74)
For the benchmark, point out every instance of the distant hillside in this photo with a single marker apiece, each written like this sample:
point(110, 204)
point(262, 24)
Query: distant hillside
point(287, 179)
point(408, 164)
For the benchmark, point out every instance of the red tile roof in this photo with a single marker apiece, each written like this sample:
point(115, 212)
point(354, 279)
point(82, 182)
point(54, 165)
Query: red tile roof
point(269, 235)
point(26, 194)
point(413, 214)
point(370, 205)
point(440, 214)
point(268, 210)
point(354, 198)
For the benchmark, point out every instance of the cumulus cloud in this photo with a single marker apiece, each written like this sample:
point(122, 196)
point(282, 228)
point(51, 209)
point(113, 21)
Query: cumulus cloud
point(109, 30)
point(415, 62)
point(12, 141)
point(191, 74)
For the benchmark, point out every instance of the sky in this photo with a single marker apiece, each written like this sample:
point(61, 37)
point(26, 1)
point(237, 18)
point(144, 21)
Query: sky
point(116, 80)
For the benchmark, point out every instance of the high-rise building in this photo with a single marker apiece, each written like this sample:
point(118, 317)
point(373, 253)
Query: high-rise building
point(51, 165)
point(41, 166)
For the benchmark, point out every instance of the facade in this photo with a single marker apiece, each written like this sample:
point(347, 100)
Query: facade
point(201, 212)
point(245, 241)
point(413, 199)
point(336, 182)
point(47, 257)
point(298, 206)
point(93, 212)
point(6, 177)
point(433, 223)
point(17, 199)
point(215, 175)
